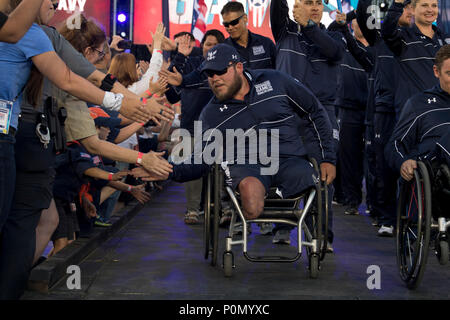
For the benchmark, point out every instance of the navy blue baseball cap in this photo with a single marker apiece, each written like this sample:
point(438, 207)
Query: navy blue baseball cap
point(219, 57)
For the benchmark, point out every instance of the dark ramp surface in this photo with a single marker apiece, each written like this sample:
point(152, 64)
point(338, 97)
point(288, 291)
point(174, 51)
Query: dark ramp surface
point(157, 256)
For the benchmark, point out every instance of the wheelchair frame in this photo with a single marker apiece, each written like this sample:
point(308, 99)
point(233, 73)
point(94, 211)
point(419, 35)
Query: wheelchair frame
point(414, 228)
point(277, 213)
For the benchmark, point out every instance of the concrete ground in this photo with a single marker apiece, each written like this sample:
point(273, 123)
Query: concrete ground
point(156, 256)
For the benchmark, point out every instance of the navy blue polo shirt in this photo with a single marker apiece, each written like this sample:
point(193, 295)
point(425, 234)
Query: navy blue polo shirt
point(260, 52)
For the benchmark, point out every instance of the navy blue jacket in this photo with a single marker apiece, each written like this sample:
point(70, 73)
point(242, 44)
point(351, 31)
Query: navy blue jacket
point(260, 52)
point(415, 54)
point(310, 54)
point(194, 94)
point(275, 101)
point(424, 119)
point(354, 67)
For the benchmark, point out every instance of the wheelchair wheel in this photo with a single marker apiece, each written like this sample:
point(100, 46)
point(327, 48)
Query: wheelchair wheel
point(414, 227)
point(321, 189)
point(216, 211)
point(442, 252)
point(207, 217)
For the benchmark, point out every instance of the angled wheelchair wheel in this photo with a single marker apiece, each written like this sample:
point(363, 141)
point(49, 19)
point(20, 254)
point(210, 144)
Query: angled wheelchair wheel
point(217, 184)
point(414, 227)
point(320, 227)
point(207, 217)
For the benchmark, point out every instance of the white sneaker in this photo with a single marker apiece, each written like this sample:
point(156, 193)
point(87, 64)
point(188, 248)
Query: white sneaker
point(386, 231)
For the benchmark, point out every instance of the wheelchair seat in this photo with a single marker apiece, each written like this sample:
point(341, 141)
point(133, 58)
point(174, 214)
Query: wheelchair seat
point(302, 211)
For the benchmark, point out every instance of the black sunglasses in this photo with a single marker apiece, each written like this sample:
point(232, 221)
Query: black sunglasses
point(55, 5)
point(232, 22)
point(212, 73)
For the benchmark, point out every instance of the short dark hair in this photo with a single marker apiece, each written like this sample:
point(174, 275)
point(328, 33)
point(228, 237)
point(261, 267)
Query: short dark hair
point(232, 7)
point(215, 33)
point(183, 33)
point(442, 55)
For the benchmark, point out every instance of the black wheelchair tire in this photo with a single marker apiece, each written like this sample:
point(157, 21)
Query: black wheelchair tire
point(411, 269)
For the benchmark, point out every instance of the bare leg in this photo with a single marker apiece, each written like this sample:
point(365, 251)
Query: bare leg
point(58, 245)
point(252, 194)
point(47, 224)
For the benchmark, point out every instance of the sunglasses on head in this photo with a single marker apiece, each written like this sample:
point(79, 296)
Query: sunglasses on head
point(212, 73)
point(232, 22)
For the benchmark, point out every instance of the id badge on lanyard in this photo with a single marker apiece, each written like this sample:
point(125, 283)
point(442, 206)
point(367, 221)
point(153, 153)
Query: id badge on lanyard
point(5, 115)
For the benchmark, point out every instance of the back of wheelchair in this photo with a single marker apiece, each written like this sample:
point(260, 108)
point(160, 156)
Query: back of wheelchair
point(307, 212)
point(423, 220)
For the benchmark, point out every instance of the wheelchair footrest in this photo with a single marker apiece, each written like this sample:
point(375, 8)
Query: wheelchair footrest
point(272, 258)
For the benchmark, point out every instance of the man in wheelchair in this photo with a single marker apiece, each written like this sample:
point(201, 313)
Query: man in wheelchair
point(423, 133)
point(257, 102)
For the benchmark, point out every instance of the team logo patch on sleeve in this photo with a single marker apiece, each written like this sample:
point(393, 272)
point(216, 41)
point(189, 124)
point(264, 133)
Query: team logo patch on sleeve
point(257, 50)
point(85, 155)
point(264, 87)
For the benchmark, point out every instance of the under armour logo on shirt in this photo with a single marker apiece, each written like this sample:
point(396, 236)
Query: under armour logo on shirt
point(432, 100)
point(224, 108)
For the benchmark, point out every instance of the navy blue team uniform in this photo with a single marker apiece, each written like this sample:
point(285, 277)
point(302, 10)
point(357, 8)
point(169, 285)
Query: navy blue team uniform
point(194, 92)
point(275, 101)
point(260, 52)
point(381, 180)
point(351, 100)
point(310, 54)
point(424, 121)
point(285, 99)
point(415, 54)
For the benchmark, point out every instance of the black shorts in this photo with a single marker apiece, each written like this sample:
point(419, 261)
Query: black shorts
point(68, 223)
point(294, 175)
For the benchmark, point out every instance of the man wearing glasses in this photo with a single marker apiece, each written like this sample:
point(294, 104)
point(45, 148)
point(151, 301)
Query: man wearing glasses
point(256, 51)
point(256, 101)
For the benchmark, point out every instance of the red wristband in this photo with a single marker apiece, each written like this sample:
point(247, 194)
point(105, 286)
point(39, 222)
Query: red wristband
point(139, 158)
point(149, 93)
point(110, 175)
point(144, 100)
